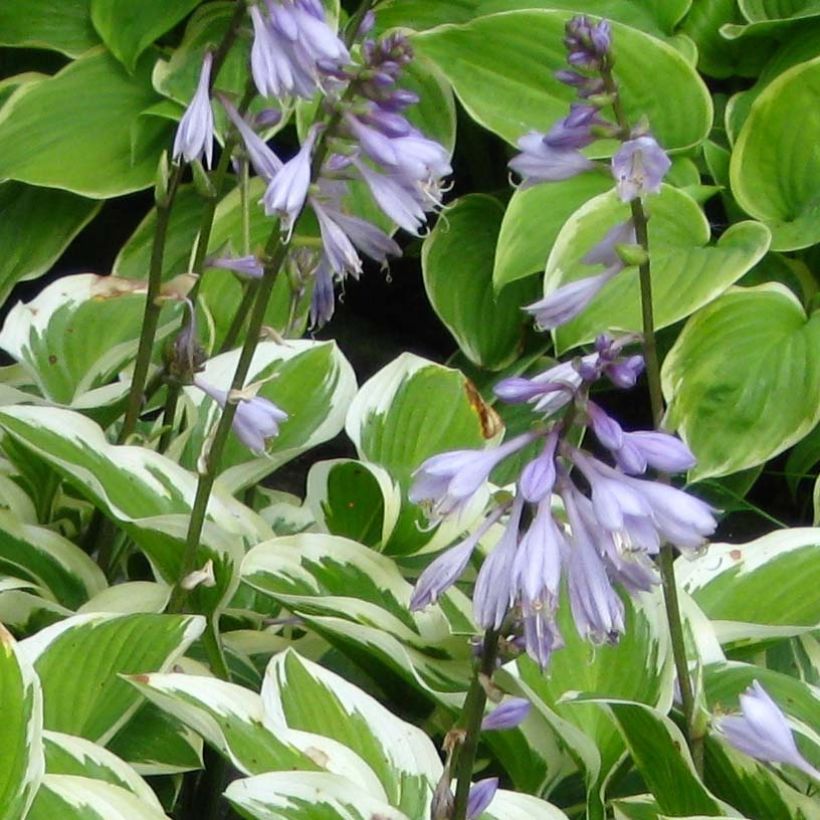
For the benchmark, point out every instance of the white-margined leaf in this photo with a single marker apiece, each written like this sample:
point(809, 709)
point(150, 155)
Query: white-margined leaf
point(305, 796)
point(57, 336)
point(311, 381)
point(21, 729)
point(763, 589)
point(27, 611)
point(69, 754)
point(231, 719)
point(507, 805)
point(81, 798)
point(130, 597)
point(80, 660)
point(300, 694)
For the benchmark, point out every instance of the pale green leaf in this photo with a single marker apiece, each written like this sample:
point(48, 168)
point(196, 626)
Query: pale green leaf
point(61, 25)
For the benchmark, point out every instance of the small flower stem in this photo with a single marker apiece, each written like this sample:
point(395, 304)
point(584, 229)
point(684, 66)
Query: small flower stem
point(150, 318)
point(653, 376)
point(472, 713)
point(238, 321)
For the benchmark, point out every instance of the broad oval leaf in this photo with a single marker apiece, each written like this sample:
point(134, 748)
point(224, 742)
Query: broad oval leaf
point(127, 33)
point(21, 728)
point(311, 381)
point(687, 271)
point(56, 134)
point(80, 659)
point(743, 379)
point(302, 695)
point(305, 796)
point(457, 264)
point(756, 11)
point(501, 68)
point(775, 171)
point(771, 582)
point(61, 25)
point(81, 798)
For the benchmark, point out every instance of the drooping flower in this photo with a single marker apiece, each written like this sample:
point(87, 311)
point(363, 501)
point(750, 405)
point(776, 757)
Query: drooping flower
point(639, 167)
point(480, 797)
point(761, 731)
point(256, 419)
point(567, 301)
point(195, 133)
point(539, 162)
point(507, 715)
point(263, 159)
point(247, 266)
point(322, 302)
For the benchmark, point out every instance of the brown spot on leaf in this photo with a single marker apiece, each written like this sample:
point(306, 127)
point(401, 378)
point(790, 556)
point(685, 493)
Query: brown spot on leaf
point(735, 555)
point(52, 359)
point(142, 678)
point(491, 424)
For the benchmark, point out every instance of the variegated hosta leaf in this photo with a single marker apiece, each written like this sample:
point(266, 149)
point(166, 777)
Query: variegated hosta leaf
point(351, 594)
point(154, 742)
point(305, 796)
point(763, 589)
point(26, 611)
point(40, 555)
point(130, 597)
point(410, 410)
point(354, 499)
point(78, 333)
point(231, 719)
point(508, 805)
point(311, 381)
point(21, 729)
point(68, 754)
point(149, 495)
point(81, 798)
point(638, 668)
point(80, 660)
point(302, 695)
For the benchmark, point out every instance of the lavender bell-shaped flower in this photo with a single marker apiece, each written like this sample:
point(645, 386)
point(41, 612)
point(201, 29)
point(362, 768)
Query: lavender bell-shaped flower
point(322, 302)
point(639, 167)
point(539, 162)
point(507, 715)
point(264, 161)
point(761, 731)
point(255, 420)
point(195, 134)
point(480, 797)
point(248, 267)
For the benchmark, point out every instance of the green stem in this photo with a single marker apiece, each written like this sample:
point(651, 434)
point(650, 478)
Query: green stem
point(169, 412)
point(238, 321)
point(653, 376)
point(472, 714)
point(150, 318)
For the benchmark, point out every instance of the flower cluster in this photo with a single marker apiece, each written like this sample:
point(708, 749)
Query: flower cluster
point(612, 522)
point(638, 166)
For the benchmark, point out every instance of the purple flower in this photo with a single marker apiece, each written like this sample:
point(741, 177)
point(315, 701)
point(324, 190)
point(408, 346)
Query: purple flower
point(538, 476)
point(369, 239)
point(507, 715)
point(639, 168)
point(480, 797)
point(286, 194)
point(442, 573)
point(575, 130)
point(585, 86)
point(397, 199)
point(264, 161)
point(538, 162)
point(447, 482)
point(567, 301)
point(195, 134)
point(255, 419)
point(660, 451)
point(339, 250)
point(606, 251)
point(761, 731)
point(588, 43)
point(322, 301)
point(247, 266)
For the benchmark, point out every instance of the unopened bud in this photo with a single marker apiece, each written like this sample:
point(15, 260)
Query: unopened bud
point(162, 180)
point(202, 181)
point(632, 254)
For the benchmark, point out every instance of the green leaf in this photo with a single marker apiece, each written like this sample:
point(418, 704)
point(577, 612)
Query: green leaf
point(149, 495)
point(128, 30)
point(56, 134)
point(61, 25)
point(46, 558)
point(302, 695)
point(660, 754)
point(533, 220)
point(770, 582)
point(306, 796)
point(687, 271)
point(638, 668)
point(756, 11)
point(36, 226)
point(353, 499)
point(803, 457)
point(742, 379)
point(457, 263)
point(311, 381)
point(435, 113)
point(411, 410)
point(232, 720)
point(67, 754)
point(21, 727)
point(775, 172)
point(501, 68)
point(80, 798)
point(80, 659)
point(57, 336)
